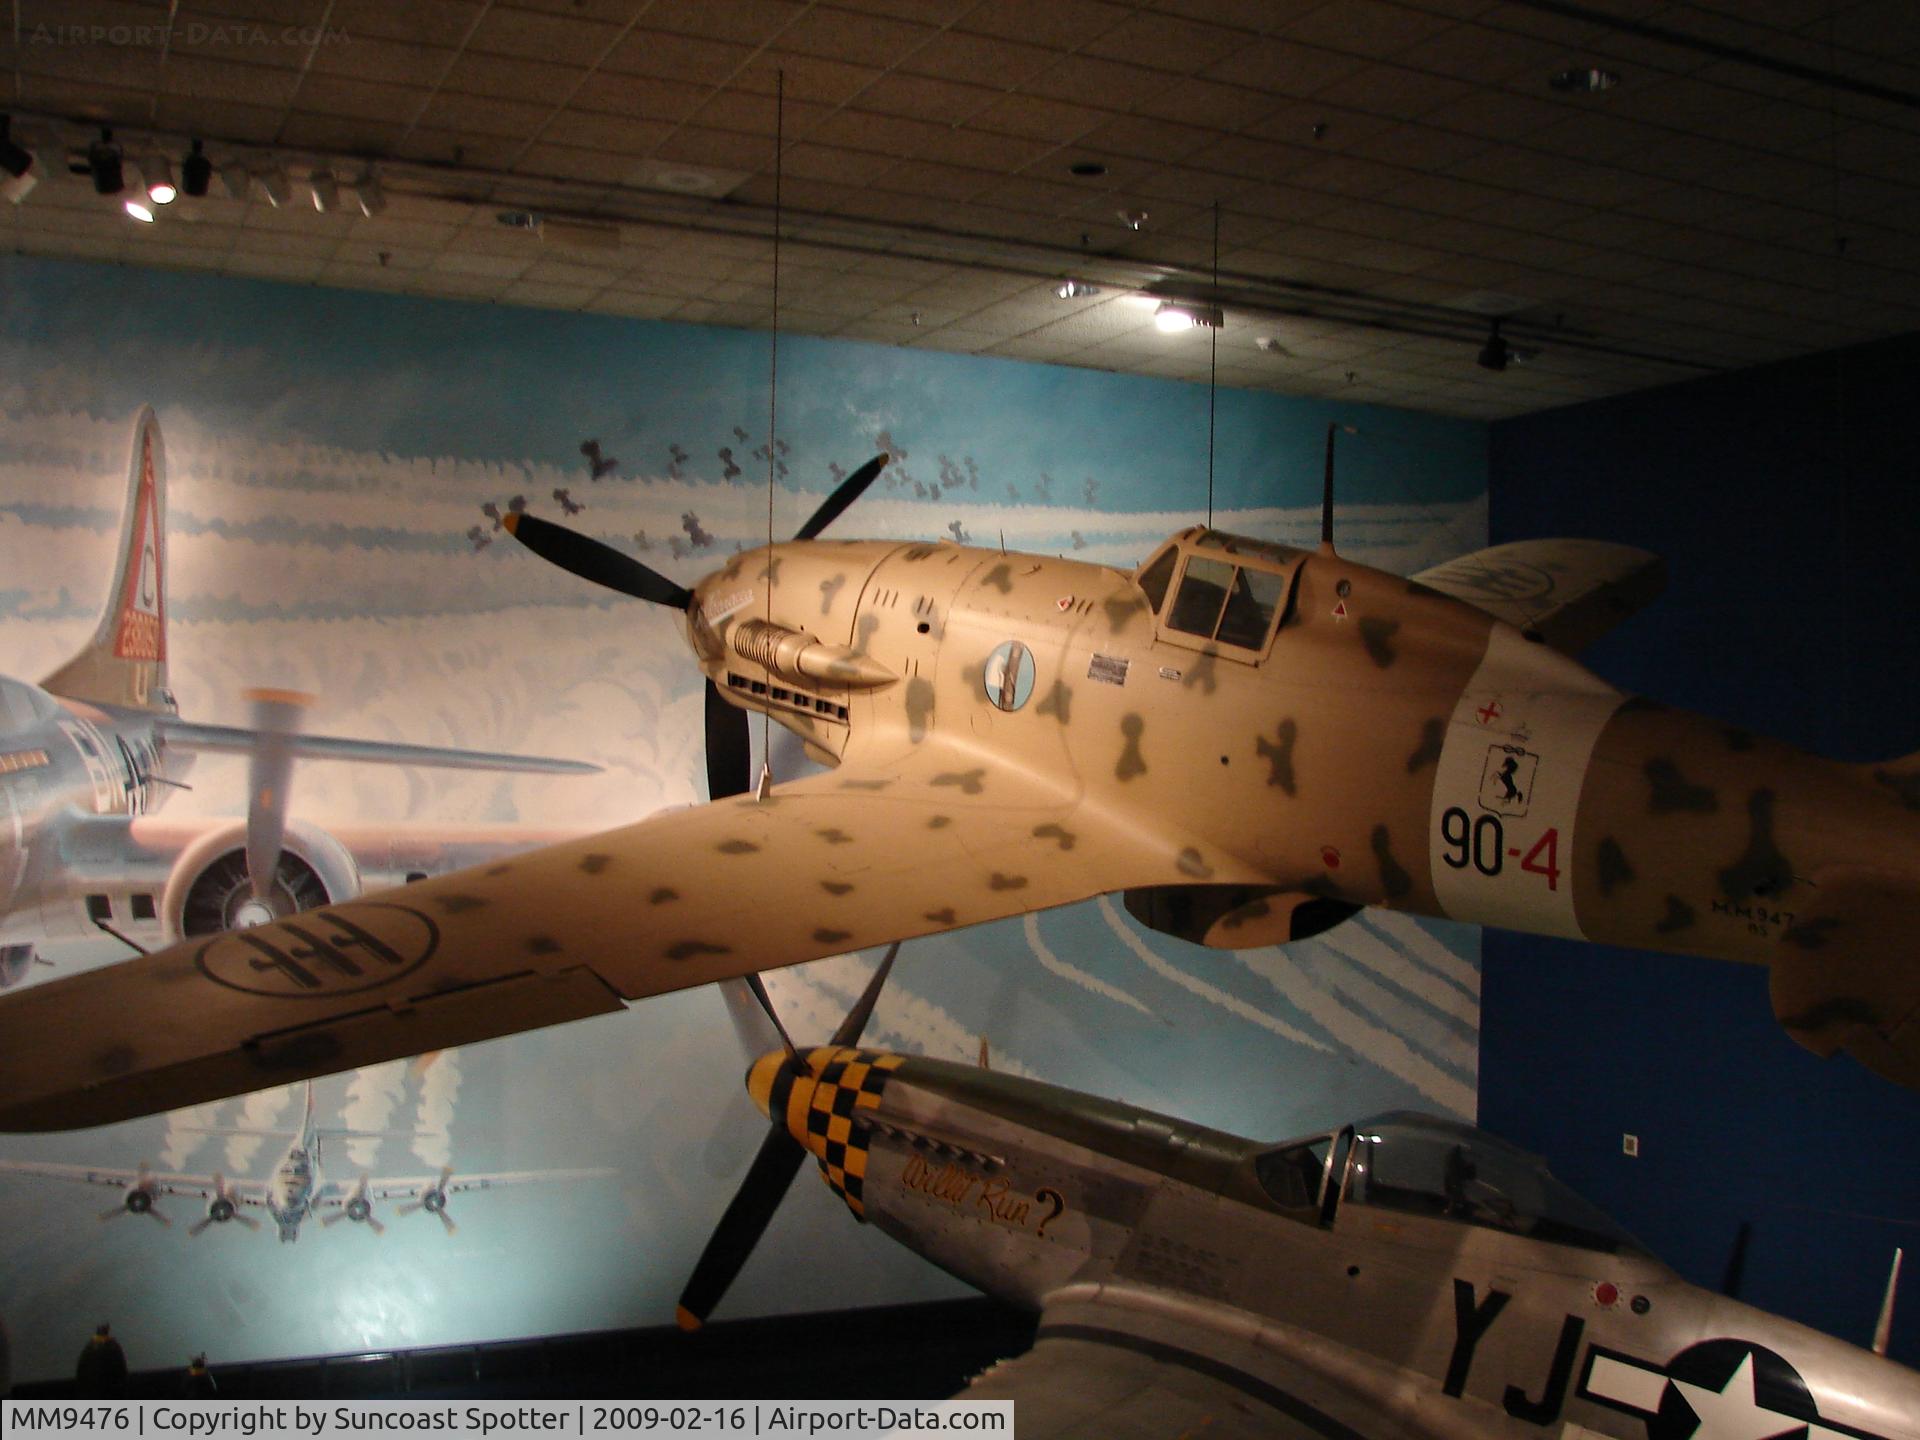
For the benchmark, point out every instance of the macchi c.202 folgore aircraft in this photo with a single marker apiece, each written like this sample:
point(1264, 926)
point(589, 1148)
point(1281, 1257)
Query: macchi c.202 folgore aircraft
point(1403, 1278)
point(92, 752)
point(297, 1190)
point(1250, 741)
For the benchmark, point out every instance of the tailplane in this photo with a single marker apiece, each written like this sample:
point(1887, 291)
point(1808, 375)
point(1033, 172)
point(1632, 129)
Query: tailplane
point(125, 663)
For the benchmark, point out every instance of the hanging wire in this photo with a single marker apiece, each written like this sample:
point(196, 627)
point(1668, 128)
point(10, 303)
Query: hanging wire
point(1213, 359)
point(773, 374)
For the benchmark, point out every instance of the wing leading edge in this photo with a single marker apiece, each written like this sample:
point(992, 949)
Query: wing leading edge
point(237, 740)
point(829, 864)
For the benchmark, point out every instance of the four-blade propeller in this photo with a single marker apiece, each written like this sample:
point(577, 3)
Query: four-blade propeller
point(774, 1165)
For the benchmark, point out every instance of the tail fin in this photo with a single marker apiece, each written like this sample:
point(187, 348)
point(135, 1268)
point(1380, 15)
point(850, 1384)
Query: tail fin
point(125, 663)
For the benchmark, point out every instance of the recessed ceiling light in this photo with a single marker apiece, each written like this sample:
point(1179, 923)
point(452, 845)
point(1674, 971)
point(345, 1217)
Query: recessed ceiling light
point(1174, 316)
point(1075, 289)
point(1087, 169)
point(1133, 219)
point(139, 211)
point(1581, 80)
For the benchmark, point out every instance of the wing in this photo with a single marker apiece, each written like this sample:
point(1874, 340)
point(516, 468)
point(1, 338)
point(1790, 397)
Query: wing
point(196, 1185)
point(412, 1187)
point(1105, 1372)
point(932, 841)
point(236, 740)
point(1568, 592)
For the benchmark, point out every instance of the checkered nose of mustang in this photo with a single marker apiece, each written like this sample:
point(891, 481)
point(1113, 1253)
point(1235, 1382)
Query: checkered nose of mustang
point(819, 1103)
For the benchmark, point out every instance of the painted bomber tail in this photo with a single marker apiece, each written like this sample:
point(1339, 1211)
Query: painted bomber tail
point(125, 663)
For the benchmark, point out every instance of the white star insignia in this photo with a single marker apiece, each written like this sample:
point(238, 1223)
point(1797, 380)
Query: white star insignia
point(1732, 1412)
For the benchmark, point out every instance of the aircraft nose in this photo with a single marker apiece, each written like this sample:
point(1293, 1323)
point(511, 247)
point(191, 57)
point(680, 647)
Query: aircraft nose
point(782, 1089)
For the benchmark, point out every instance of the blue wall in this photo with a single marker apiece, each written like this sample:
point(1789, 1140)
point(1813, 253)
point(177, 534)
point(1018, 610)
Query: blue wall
point(1786, 502)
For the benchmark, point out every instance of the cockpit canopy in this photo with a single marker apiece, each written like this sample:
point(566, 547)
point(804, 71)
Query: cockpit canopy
point(1423, 1165)
point(1229, 591)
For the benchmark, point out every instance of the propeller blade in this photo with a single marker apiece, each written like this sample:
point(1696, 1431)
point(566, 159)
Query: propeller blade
point(276, 719)
point(447, 1220)
point(327, 1222)
point(155, 1213)
point(246, 1220)
point(199, 1225)
point(758, 988)
point(856, 1021)
point(848, 491)
point(745, 1221)
point(115, 1213)
point(373, 1224)
point(729, 747)
point(756, 1036)
point(589, 559)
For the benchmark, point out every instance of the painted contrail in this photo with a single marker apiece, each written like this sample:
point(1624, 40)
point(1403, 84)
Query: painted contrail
point(1212, 994)
point(1073, 975)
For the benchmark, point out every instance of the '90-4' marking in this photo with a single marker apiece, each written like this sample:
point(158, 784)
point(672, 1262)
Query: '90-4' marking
point(1482, 843)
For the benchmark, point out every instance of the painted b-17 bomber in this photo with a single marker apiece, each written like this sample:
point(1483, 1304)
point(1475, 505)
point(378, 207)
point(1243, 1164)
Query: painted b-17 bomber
point(1402, 1276)
point(1250, 741)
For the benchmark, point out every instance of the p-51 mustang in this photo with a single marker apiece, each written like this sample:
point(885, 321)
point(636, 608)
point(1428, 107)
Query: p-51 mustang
point(1250, 741)
point(296, 1190)
point(89, 754)
point(1403, 1277)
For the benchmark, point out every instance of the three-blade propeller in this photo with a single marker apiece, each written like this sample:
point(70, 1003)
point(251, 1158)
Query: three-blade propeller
point(775, 1164)
point(729, 743)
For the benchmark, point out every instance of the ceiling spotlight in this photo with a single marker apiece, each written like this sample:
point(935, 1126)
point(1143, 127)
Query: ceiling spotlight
point(139, 211)
point(196, 173)
point(1174, 316)
point(1496, 354)
point(1133, 219)
point(17, 175)
point(1270, 345)
point(275, 186)
point(160, 187)
point(325, 191)
point(367, 194)
point(1583, 80)
point(103, 163)
point(1076, 289)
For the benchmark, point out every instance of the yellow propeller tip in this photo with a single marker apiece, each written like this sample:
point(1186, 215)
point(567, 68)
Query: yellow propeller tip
point(298, 698)
point(510, 522)
point(686, 1319)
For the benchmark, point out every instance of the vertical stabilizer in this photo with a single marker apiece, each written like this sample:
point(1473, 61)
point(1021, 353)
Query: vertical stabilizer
point(125, 663)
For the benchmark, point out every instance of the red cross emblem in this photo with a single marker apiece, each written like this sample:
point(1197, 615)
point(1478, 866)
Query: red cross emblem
point(1489, 712)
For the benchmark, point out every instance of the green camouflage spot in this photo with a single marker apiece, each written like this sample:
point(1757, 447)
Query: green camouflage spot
point(1377, 635)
